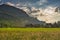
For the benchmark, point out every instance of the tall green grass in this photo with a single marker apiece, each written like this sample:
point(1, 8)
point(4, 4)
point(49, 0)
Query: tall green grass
point(29, 33)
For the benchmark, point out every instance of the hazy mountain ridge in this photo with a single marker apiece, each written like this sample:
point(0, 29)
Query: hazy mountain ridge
point(10, 13)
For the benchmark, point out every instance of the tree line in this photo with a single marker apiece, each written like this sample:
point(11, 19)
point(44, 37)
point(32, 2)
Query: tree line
point(41, 25)
point(45, 25)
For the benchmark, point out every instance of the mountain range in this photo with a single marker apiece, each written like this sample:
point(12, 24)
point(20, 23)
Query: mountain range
point(16, 17)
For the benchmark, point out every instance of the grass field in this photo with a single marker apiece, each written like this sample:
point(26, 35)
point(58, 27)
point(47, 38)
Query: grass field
point(29, 33)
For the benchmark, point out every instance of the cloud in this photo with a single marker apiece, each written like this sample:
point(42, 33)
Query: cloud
point(0, 0)
point(9, 3)
point(41, 2)
point(28, 4)
point(48, 14)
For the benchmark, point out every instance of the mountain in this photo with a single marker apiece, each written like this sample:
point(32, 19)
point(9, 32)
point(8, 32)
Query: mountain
point(15, 17)
point(57, 9)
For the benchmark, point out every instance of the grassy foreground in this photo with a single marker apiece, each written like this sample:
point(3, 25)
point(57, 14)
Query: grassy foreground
point(29, 33)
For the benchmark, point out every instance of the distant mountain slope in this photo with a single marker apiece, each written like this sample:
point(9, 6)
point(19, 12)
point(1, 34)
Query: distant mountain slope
point(15, 15)
point(57, 9)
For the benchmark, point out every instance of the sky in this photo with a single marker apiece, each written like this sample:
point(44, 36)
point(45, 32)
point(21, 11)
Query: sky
point(35, 3)
point(46, 7)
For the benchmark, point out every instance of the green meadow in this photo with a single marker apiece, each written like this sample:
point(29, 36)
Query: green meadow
point(29, 33)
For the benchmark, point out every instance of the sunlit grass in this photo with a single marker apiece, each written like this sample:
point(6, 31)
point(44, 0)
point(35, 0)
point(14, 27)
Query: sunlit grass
point(30, 29)
point(29, 33)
